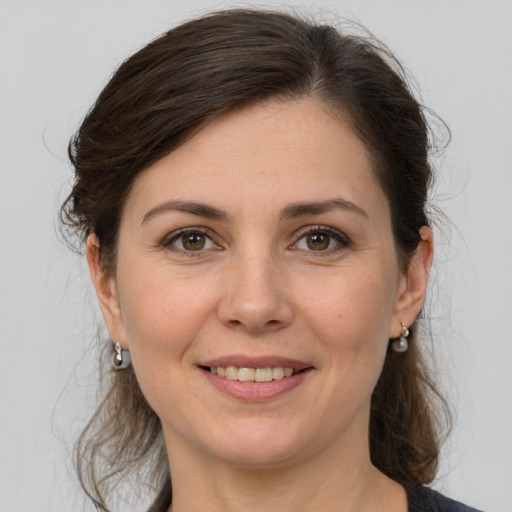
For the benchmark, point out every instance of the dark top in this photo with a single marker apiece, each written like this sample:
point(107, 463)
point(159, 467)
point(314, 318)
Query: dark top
point(421, 499)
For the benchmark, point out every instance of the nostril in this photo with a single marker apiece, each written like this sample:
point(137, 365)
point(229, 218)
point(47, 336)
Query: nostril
point(255, 312)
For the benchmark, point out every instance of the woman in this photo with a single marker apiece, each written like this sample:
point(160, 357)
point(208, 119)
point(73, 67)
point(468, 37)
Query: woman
point(251, 188)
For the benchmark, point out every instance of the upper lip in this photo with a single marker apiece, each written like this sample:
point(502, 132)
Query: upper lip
point(242, 361)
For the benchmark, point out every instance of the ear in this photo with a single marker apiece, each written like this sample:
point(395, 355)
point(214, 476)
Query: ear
point(413, 286)
point(106, 292)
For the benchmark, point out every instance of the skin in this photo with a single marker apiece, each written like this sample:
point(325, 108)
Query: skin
point(260, 287)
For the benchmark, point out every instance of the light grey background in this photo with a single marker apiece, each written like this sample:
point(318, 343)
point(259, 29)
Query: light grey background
point(54, 58)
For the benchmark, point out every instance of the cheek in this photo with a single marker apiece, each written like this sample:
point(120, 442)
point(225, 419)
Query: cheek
point(351, 316)
point(162, 319)
point(351, 306)
point(162, 315)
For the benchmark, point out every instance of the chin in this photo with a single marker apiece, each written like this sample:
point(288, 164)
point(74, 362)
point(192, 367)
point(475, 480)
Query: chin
point(263, 447)
point(257, 457)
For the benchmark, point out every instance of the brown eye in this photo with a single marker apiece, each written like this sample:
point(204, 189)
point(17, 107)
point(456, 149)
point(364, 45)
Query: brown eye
point(318, 242)
point(322, 239)
point(193, 241)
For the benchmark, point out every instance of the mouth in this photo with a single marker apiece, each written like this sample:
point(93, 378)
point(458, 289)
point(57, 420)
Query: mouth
point(255, 380)
point(259, 374)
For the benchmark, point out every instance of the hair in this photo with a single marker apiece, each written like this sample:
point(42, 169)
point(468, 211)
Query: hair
point(161, 97)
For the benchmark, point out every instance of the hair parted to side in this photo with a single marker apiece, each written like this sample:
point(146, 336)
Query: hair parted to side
point(163, 95)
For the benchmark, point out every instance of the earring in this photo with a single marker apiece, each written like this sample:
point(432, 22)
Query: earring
point(401, 344)
point(121, 358)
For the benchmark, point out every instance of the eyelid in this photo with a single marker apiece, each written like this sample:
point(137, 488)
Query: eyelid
point(168, 240)
point(342, 239)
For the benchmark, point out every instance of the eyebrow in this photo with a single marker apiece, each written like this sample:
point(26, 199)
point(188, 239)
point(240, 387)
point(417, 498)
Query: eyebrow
point(318, 207)
point(193, 207)
point(291, 211)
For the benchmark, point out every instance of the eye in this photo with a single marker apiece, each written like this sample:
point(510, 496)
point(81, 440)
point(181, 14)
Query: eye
point(191, 241)
point(321, 239)
point(317, 241)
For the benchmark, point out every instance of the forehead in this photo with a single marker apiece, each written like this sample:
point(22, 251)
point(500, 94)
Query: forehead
point(263, 156)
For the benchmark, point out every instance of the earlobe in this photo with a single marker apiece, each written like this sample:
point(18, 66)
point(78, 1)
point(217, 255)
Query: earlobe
point(106, 292)
point(414, 288)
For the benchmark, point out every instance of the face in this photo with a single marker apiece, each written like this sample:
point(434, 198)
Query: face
point(260, 248)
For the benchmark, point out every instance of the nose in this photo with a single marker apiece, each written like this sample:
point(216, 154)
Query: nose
point(255, 295)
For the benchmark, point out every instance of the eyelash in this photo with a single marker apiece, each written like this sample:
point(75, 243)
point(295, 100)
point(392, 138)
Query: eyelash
point(177, 235)
point(342, 240)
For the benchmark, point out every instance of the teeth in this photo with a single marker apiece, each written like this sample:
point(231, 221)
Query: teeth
point(231, 372)
point(263, 375)
point(252, 374)
point(278, 372)
point(246, 374)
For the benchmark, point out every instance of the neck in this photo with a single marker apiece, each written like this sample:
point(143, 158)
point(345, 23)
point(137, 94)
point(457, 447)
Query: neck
point(329, 482)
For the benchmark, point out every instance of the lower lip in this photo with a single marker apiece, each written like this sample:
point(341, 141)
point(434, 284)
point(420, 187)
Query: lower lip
point(256, 391)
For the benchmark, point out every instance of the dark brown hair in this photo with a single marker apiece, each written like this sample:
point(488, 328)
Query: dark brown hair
point(164, 94)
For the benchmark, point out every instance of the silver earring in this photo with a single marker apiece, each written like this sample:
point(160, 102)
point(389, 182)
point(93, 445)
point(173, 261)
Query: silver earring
point(401, 344)
point(121, 358)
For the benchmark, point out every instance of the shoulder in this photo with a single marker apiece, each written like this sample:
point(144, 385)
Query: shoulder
point(164, 498)
point(423, 499)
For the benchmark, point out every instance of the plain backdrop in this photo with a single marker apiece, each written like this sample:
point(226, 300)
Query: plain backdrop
point(54, 58)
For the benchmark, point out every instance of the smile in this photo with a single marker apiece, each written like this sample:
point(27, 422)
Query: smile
point(255, 379)
point(266, 374)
